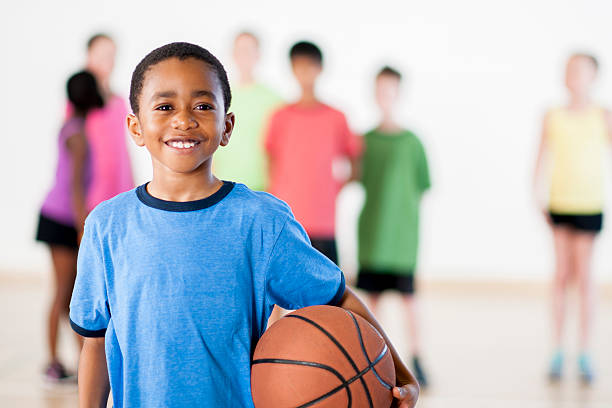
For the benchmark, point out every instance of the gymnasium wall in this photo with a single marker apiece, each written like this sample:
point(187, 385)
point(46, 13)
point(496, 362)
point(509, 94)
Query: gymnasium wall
point(479, 76)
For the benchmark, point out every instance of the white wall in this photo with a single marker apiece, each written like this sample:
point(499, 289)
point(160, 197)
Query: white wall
point(480, 74)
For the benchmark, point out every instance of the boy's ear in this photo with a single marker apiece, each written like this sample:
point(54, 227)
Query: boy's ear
point(230, 120)
point(133, 126)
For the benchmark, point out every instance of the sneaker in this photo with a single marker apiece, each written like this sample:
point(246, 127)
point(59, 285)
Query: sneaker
point(55, 373)
point(419, 373)
point(585, 368)
point(556, 367)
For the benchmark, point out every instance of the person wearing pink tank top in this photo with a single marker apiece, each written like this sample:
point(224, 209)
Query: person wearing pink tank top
point(111, 171)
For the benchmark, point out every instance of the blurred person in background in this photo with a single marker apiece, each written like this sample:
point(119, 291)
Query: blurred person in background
point(244, 159)
point(303, 141)
point(574, 139)
point(106, 129)
point(64, 209)
point(394, 174)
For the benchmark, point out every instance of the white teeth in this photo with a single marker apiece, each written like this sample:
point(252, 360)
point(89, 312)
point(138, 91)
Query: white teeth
point(182, 145)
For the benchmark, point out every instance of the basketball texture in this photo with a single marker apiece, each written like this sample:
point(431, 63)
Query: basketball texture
point(323, 357)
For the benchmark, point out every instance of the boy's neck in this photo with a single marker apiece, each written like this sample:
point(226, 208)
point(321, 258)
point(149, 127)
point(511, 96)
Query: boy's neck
point(170, 186)
point(388, 124)
point(79, 114)
point(308, 98)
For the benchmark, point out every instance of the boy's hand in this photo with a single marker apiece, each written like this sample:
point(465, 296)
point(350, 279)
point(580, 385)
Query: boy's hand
point(405, 396)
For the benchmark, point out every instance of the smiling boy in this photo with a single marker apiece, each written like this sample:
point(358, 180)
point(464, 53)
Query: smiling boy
point(176, 279)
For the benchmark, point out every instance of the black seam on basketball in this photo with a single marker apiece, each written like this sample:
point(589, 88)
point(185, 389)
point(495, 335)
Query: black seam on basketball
point(365, 352)
point(341, 348)
point(345, 384)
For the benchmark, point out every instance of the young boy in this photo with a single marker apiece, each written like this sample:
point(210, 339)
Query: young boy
point(576, 136)
point(304, 140)
point(394, 175)
point(253, 102)
point(176, 278)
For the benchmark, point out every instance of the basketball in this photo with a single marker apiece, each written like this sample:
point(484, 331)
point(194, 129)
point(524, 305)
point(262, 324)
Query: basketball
point(322, 356)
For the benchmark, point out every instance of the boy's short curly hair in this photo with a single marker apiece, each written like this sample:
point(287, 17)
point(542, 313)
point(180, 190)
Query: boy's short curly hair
point(387, 70)
point(182, 51)
point(306, 49)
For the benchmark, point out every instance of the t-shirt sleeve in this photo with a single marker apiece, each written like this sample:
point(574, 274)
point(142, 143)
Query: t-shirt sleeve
point(423, 169)
point(89, 310)
point(298, 275)
point(351, 143)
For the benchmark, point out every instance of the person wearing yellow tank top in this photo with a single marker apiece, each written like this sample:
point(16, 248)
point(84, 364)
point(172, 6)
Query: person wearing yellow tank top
point(574, 141)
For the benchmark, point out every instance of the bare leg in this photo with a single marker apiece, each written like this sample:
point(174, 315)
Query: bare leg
point(64, 265)
point(563, 270)
point(410, 307)
point(372, 301)
point(582, 245)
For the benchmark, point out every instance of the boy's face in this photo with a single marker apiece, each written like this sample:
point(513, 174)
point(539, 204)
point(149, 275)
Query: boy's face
point(181, 119)
point(246, 52)
point(306, 70)
point(387, 92)
point(579, 75)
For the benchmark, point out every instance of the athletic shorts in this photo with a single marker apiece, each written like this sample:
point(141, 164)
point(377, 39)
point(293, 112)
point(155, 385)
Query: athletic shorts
point(377, 281)
point(587, 223)
point(55, 233)
point(327, 246)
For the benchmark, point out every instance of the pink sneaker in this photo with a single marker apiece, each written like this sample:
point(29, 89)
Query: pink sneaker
point(55, 373)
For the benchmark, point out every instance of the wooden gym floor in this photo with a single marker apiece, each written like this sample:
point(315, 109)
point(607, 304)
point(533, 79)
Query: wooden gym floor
point(486, 345)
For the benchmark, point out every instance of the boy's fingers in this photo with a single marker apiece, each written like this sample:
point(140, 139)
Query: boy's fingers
point(399, 392)
point(404, 397)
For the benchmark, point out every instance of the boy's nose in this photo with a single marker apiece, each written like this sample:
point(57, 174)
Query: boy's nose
point(183, 121)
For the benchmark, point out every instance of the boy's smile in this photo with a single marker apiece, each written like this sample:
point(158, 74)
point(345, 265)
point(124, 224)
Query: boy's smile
point(182, 120)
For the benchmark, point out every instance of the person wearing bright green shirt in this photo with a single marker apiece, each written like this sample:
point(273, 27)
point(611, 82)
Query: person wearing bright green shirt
point(244, 159)
point(394, 175)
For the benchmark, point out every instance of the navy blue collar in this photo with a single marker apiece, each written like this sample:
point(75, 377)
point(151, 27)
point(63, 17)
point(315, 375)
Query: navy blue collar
point(182, 206)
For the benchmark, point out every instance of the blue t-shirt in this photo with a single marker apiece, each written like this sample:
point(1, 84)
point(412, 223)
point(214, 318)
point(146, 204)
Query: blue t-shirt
point(182, 291)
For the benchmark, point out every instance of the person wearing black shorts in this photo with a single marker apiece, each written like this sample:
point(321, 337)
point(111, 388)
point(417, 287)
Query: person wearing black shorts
point(63, 211)
point(574, 140)
point(395, 175)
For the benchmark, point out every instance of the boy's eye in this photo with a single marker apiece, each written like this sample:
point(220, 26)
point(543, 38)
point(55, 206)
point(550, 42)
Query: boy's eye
point(203, 106)
point(164, 108)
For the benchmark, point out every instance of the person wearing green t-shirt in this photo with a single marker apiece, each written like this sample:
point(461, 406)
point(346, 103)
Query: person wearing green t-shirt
point(244, 159)
point(394, 175)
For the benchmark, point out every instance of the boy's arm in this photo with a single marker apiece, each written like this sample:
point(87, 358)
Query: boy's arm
point(407, 390)
point(355, 169)
point(94, 386)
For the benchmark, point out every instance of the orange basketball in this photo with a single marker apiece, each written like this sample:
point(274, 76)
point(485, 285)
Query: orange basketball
point(322, 356)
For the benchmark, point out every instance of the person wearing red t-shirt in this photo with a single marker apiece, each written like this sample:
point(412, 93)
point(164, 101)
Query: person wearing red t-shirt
point(304, 141)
